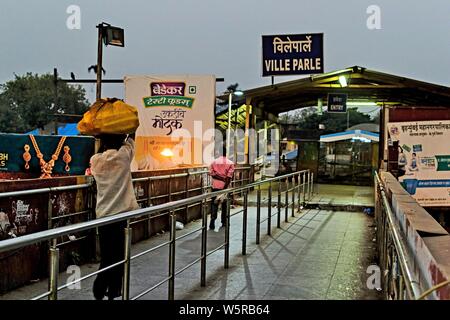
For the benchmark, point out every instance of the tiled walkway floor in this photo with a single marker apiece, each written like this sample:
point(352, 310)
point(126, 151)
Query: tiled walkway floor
point(343, 195)
point(324, 194)
point(316, 255)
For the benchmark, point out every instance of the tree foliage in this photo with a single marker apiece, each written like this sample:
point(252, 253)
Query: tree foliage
point(28, 102)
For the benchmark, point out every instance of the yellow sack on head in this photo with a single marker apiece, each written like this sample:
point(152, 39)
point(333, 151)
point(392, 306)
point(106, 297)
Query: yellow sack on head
point(109, 116)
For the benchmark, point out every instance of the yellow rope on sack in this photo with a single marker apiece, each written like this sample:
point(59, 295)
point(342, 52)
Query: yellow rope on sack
point(432, 289)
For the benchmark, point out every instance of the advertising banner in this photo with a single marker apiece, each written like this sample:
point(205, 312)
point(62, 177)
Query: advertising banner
point(15, 147)
point(292, 54)
point(424, 160)
point(176, 115)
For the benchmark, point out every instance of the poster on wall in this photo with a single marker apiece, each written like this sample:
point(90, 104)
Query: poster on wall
point(424, 160)
point(176, 115)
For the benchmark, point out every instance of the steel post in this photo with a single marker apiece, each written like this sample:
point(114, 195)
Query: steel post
point(54, 271)
point(258, 214)
point(127, 266)
point(172, 256)
point(293, 197)
point(299, 184)
point(269, 211)
point(244, 224)
point(286, 199)
point(204, 245)
point(227, 233)
point(279, 205)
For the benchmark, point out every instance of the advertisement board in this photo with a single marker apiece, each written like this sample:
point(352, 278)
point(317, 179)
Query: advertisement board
point(424, 159)
point(176, 115)
point(15, 147)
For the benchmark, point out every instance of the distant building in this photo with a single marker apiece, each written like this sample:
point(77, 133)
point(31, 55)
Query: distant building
point(370, 126)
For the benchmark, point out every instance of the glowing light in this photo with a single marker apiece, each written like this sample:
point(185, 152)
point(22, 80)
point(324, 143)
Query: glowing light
point(361, 103)
point(343, 81)
point(167, 153)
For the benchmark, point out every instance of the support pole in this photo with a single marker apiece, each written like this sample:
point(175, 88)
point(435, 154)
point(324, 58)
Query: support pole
point(54, 271)
point(127, 266)
point(99, 61)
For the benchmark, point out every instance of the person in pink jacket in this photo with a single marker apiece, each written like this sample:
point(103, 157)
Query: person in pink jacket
point(221, 171)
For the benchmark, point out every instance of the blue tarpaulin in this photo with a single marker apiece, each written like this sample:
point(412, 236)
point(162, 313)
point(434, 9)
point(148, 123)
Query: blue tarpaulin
point(64, 129)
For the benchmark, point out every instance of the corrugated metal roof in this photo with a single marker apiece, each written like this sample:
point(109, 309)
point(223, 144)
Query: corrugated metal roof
point(363, 85)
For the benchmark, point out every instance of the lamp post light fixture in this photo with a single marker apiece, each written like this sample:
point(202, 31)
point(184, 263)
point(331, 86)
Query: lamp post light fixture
point(110, 35)
point(343, 81)
point(237, 93)
point(362, 103)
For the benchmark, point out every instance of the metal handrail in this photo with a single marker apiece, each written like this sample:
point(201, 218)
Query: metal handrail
point(88, 210)
point(10, 244)
point(412, 286)
point(162, 209)
point(91, 183)
point(45, 190)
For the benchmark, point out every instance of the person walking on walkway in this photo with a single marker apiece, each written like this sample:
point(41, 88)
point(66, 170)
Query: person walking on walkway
point(221, 171)
point(115, 194)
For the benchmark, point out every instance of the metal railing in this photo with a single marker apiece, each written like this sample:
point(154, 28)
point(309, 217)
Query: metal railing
point(149, 200)
point(302, 185)
point(88, 212)
point(398, 281)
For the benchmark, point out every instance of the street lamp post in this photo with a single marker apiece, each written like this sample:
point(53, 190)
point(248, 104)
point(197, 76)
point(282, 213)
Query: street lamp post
point(112, 36)
point(230, 100)
point(99, 61)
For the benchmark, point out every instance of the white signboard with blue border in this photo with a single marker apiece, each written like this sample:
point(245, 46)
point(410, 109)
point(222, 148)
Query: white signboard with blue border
point(292, 54)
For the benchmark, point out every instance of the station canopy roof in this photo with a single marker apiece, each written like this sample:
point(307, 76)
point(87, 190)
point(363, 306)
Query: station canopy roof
point(363, 86)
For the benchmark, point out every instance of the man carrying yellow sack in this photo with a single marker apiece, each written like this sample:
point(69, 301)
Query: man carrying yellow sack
point(115, 194)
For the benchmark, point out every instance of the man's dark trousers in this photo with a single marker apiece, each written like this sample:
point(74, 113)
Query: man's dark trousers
point(215, 209)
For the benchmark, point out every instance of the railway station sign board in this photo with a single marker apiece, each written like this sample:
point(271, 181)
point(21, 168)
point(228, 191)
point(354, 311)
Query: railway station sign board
point(292, 54)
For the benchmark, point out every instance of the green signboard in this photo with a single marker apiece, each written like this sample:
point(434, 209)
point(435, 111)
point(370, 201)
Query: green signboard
point(443, 163)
